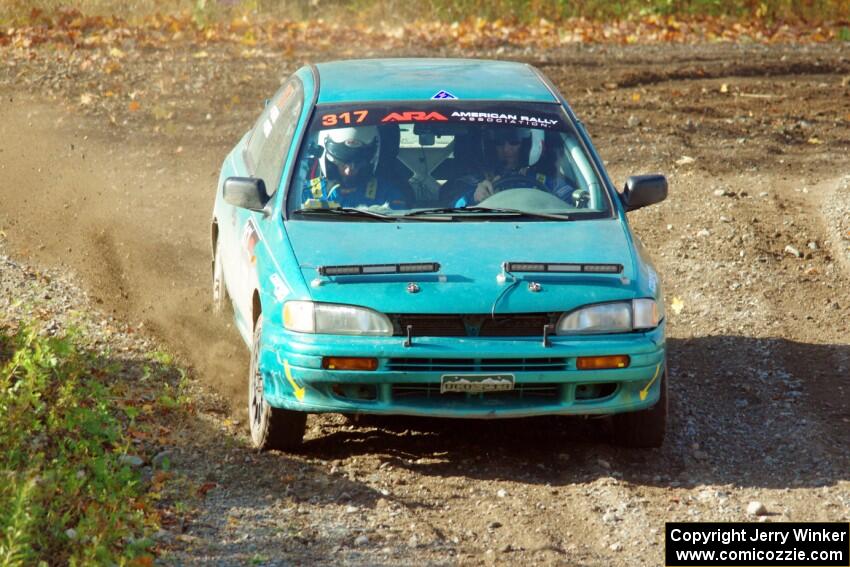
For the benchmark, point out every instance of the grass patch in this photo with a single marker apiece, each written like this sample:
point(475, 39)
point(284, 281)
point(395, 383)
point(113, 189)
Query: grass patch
point(66, 494)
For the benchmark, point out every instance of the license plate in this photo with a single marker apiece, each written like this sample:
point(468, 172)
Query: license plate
point(476, 383)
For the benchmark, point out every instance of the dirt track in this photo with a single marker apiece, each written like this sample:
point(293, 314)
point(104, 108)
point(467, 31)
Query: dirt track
point(756, 143)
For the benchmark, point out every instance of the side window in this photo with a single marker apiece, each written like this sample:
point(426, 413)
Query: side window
point(257, 139)
point(273, 133)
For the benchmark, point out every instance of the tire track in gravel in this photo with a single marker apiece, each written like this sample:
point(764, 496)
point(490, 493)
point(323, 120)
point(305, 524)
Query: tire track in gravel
point(748, 389)
point(725, 70)
point(776, 325)
point(650, 65)
point(815, 351)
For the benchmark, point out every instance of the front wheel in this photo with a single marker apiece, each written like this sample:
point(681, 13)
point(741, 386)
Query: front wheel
point(271, 428)
point(645, 428)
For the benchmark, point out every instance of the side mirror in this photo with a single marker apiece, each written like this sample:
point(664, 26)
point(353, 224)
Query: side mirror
point(643, 190)
point(245, 192)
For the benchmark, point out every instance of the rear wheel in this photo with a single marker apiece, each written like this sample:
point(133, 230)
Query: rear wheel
point(271, 428)
point(219, 291)
point(645, 428)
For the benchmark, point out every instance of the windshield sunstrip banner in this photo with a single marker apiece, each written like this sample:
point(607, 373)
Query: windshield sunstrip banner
point(542, 116)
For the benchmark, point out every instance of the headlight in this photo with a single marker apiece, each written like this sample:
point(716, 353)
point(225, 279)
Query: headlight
point(332, 319)
point(616, 317)
point(646, 314)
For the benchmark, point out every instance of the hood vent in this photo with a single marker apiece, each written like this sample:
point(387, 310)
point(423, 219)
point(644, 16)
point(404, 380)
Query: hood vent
point(538, 267)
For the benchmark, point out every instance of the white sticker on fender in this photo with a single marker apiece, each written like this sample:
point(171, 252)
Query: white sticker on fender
point(280, 289)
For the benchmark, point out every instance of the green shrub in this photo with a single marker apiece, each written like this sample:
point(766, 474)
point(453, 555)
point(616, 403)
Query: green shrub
point(65, 496)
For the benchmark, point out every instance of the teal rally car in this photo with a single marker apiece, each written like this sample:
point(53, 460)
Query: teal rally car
point(435, 237)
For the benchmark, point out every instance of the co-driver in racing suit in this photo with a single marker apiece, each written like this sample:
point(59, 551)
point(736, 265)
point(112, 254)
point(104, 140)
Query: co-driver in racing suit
point(510, 152)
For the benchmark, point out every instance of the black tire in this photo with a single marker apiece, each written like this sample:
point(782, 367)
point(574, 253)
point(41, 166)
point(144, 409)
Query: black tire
point(642, 429)
point(271, 428)
point(219, 290)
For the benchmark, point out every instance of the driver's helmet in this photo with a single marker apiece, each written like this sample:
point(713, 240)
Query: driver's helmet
point(359, 146)
point(529, 139)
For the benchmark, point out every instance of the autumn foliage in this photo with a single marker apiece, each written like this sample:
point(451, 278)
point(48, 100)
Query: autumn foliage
point(72, 28)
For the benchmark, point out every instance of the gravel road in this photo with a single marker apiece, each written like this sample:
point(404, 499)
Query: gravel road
point(754, 242)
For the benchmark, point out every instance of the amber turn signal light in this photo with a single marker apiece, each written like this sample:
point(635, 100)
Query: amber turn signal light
point(602, 362)
point(349, 363)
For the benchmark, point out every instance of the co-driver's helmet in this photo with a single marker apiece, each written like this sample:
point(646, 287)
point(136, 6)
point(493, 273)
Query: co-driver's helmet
point(359, 145)
point(529, 139)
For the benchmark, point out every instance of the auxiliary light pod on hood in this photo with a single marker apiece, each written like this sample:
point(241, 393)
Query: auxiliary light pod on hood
point(563, 268)
point(370, 269)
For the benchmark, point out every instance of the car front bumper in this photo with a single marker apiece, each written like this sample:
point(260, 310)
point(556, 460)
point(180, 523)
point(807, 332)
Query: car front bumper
point(407, 380)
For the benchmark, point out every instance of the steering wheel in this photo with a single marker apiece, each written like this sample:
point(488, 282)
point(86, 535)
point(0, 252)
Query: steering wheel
point(517, 181)
point(526, 199)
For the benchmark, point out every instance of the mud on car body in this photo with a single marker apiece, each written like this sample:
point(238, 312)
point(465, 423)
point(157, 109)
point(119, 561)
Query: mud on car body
point(435, 238)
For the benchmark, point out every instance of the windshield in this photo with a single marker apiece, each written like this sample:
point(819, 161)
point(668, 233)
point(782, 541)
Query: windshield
point(439, 159)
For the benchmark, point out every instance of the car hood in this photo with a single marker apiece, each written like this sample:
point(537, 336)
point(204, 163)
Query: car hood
point(471, 255)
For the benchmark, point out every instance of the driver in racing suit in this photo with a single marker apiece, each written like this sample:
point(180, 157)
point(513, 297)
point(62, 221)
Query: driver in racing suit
point(511, 152)
point(349, 176)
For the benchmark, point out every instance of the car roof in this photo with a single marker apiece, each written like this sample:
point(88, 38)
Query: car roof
point(365, 80)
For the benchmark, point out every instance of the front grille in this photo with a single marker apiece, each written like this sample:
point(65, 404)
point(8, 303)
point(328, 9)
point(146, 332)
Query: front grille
point(530, 325)
point(529, 392)
point(474, 325)
point(430, 325)
point(476, 364)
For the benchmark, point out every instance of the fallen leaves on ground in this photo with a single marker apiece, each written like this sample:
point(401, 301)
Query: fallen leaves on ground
point(70, 27)
point(677, 305)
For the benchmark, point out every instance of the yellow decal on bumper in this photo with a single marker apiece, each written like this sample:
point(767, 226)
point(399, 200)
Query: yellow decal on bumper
point(645, 392)
point(299, 391)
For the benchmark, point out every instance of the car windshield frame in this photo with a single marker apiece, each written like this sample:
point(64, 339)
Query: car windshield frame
point(533, 116)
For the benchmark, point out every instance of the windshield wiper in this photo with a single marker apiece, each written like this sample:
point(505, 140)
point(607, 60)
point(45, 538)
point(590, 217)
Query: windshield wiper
point(346, 211)
point(485, 210)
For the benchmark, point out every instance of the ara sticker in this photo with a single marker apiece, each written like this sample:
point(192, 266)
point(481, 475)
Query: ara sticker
point(504, 118)
point(414, 116)
point(443, 95)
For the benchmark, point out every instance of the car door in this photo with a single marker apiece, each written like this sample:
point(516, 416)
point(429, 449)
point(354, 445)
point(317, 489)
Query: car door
point(264, 155)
